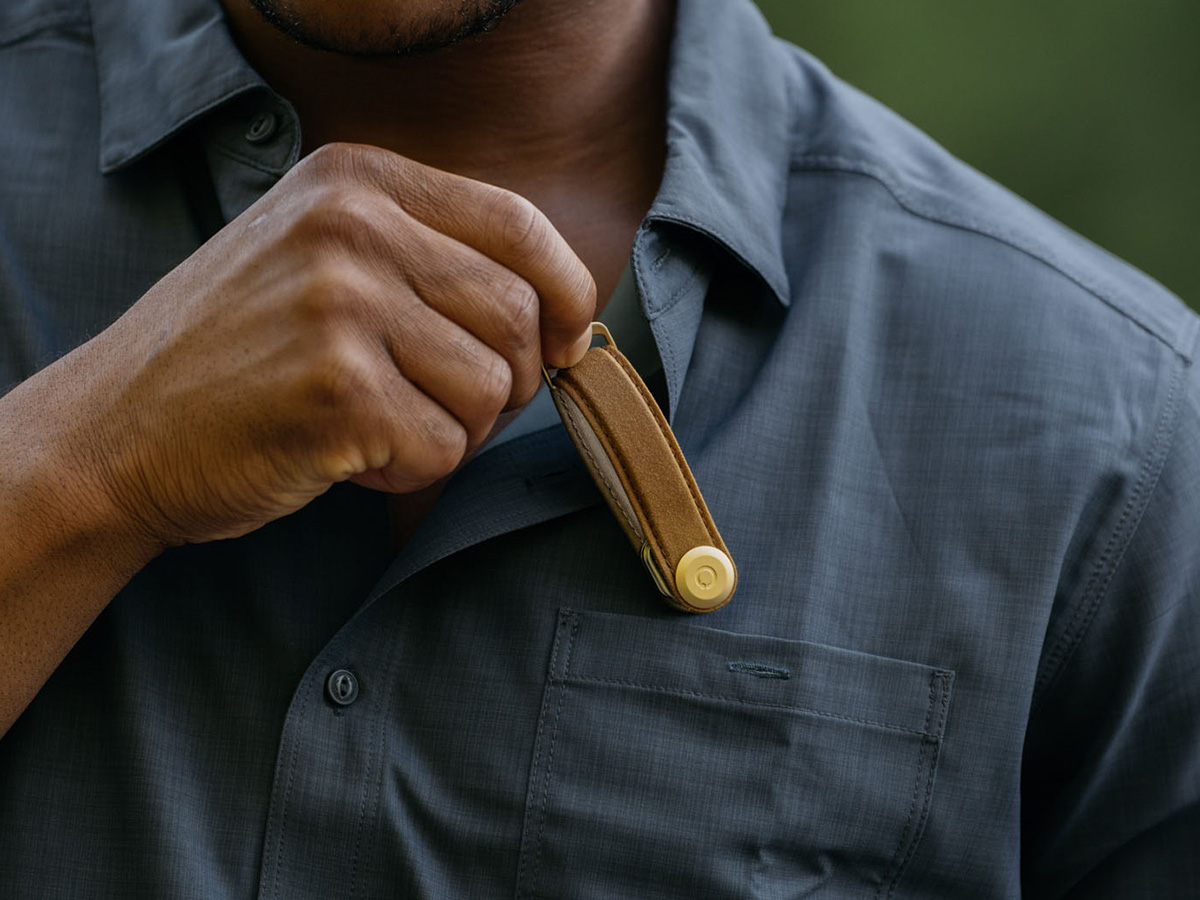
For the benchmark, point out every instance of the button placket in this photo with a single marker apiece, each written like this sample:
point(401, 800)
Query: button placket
point(249, 147)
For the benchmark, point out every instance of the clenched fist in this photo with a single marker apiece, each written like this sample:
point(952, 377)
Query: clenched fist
point(367, 319)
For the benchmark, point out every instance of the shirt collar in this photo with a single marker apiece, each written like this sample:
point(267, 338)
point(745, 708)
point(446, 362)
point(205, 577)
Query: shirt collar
point(163, 65)
point(728, 135)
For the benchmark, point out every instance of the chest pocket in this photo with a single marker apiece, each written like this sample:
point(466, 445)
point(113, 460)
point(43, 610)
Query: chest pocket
point(674, 760)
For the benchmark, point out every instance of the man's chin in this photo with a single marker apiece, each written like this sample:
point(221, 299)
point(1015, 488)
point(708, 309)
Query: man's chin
point(399, 29)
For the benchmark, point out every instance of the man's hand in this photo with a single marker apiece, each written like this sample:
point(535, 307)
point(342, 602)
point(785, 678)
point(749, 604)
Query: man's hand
point(367, 319)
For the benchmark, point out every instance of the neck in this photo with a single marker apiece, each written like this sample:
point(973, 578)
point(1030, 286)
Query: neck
point(563, 102)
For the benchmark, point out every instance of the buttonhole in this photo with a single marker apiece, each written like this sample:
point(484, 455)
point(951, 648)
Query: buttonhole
point(533, 483)
point(662, 258)
point(759, 670)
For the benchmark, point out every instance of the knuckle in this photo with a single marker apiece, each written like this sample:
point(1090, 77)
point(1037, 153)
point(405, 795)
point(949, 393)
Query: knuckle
point(331, 294)
point(340, 375)
point(345, 223)
point(520, 307)
point(444, 442)
point(345, 459)
point(493, 384)
point(335, 215)
point(327, 163)
point(518, 223)
point(337, 162)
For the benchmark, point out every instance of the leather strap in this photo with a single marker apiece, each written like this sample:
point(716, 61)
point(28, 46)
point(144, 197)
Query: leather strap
point(629, 448)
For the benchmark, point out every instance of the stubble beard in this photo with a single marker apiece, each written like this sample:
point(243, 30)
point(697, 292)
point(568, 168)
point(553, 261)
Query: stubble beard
point(451, 24)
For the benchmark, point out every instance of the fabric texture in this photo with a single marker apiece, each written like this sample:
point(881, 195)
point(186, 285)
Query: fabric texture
point(950, 444)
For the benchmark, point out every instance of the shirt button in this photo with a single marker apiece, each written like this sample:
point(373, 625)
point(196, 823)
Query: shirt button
point(262, 129)
point(342, 687)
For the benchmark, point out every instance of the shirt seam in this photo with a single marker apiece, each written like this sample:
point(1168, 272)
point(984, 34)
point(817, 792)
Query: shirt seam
point(26, 30)
point(778, 291)
point(122, 153)
point(569, 678)
point(372, 788)
point(1121, 537)
point(251, 162)
point(836, 163)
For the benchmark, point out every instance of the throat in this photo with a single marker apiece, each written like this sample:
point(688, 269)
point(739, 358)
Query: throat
point(562, 103)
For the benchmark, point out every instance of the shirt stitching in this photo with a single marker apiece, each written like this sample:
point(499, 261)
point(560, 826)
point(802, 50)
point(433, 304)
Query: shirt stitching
point(835, 163)
point(562, 696)
point(352, 887)
point(939, 680)
point(118, 153)
point(536, 775)
point(253, 163)
point(293, 760)
point(742, 700)
point(378, 753)
point(700, 270)
point(25, 30)
point(916, 795)
point(1119, 540)
point(535, 769)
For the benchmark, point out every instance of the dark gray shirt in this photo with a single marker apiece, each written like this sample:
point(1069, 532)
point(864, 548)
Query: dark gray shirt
point(951, 446)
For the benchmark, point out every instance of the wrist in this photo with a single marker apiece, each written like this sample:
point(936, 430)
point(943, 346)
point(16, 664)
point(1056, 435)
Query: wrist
point(57, 490)
point(65, 548)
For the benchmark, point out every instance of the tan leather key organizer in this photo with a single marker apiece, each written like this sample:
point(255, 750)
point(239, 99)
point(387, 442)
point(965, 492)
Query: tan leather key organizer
point(628, 447)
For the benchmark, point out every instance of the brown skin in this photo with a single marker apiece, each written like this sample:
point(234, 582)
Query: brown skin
point(562, 103)
point(370, 318)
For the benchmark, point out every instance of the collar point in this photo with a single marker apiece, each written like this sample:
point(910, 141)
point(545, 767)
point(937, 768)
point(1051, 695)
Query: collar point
point(112, 161)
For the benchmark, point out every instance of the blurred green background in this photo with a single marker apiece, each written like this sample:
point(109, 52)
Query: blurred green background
point(1091, 110)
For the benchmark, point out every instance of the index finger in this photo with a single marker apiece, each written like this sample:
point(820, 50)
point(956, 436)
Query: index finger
point(510, 230)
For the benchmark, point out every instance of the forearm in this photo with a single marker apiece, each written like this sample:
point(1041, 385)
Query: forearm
point(65, 548)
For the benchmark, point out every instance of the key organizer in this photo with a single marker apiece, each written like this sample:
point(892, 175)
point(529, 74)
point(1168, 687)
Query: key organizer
point(627, 445)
